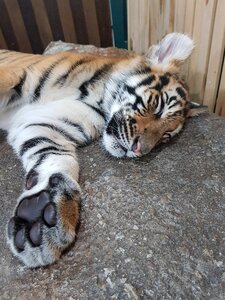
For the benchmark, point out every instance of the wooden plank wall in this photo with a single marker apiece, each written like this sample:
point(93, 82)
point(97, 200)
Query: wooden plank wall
point(29, 25)
point(204, 21)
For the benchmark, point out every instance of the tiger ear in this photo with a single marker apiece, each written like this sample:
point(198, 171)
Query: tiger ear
point(194, 109)
point(172, 50)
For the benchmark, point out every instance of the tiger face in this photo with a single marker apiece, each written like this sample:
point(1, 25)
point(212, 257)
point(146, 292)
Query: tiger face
point(147, 116)
point(152, 104)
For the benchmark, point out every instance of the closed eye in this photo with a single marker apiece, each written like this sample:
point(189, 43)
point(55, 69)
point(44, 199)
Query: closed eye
point(172, 102)
point(170, 134)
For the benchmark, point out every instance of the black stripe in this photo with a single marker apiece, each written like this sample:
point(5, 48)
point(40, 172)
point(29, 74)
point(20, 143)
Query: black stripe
point(174, 104)
point(38, 162)
point(34, 142)
point(138, 100)
point(139, 70)
point(18, 89)
point(48, 149)
point(121, 134)
point(161, 103)
point(150, 99)
point(181, 93)
point(131, 123)
point(44, 78)
point(144, 70)
point(12, 99)
point(62, 78)
point(84, 91)
point(100, 102)
point(157, 86)
point(147, 81)
point(112, 127)
point(126, 131)
point(173, 98)
point(167, 98)
point(41, 158)
point(57, 129)
point(97, 110)
point(98, 74)
point(164, 80)
point(131, 90)
point(79, 128)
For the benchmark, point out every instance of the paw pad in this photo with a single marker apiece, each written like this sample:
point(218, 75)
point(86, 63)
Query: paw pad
point(30, 215)
point(44, 223)
point(20, 239)
point(50, 215)
point(30, 209)
point(31, 180)
point(35, 233)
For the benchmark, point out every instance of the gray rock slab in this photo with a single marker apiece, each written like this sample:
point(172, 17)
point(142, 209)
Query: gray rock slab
point(151, 228)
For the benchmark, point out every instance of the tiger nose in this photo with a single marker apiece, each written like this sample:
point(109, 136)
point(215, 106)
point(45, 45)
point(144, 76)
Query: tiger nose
point(136, 147)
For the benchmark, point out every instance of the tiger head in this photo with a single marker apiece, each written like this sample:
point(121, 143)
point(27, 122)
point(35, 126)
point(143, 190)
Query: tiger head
point(151, 103)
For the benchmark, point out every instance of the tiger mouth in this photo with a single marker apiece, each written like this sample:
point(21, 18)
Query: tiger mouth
point(136, 146)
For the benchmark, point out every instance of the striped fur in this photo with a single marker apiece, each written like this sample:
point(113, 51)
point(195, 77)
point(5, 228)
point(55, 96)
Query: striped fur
point(52, 104)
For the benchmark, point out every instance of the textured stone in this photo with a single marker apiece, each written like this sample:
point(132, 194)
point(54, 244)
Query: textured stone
point(151, 228)
point(59, 46)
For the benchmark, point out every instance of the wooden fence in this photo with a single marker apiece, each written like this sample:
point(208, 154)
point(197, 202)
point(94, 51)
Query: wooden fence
point(204, 21)
point(29, 25)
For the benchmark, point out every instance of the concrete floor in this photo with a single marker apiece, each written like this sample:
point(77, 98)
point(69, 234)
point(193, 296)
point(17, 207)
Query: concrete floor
point(151, 228)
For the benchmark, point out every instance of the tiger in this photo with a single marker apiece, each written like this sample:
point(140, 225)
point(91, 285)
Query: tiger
point(52, 104)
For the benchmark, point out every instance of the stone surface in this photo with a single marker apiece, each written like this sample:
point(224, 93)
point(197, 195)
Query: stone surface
point(59, 46)
point(151, 228)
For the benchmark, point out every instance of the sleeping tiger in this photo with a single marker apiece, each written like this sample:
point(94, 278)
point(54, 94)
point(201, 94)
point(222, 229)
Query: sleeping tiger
point(52, 104)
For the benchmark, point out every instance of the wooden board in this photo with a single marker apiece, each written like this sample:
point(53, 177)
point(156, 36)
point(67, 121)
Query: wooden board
point(220, 103)
point(216, 57)
point(202, 36)
point(203, 20)
point(18, 25)
point(3, 44)
point(42, 21)
point(67, 21)
point(30, 25)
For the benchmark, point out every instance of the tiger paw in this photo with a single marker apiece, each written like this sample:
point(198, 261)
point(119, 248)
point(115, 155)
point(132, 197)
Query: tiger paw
point(44, 222)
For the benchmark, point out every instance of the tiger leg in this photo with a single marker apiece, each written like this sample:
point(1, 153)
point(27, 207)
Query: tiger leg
point(10, 77)
point(47, 212)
